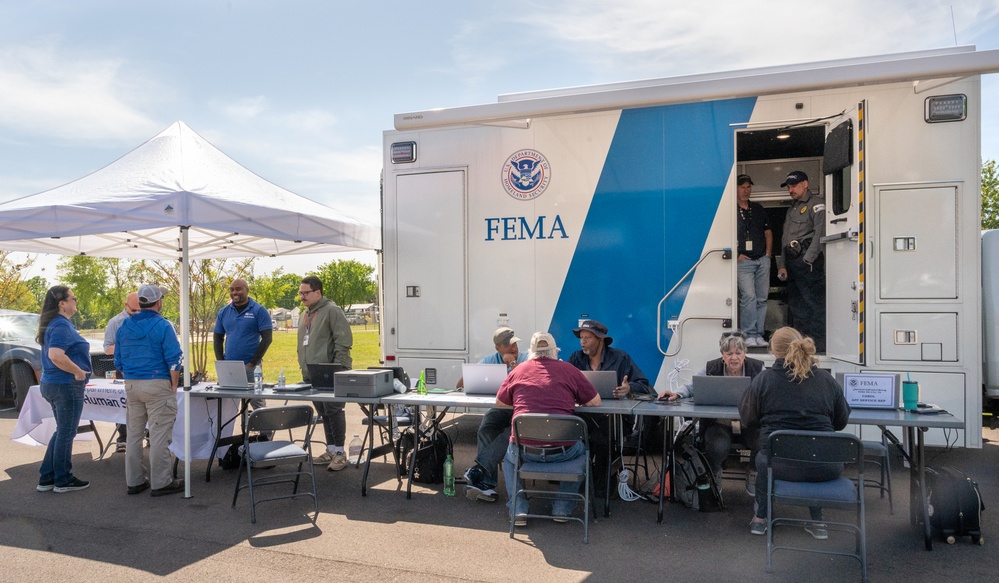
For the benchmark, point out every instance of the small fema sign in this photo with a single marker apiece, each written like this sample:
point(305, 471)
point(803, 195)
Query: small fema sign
point(526, 174)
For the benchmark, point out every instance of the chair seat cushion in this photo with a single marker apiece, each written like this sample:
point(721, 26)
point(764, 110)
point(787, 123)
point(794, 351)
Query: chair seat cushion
point(874, 448)
point(274, 450)
point(839, 490)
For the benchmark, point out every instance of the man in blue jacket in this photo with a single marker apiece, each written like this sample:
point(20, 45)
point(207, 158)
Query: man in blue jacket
point(148, 354)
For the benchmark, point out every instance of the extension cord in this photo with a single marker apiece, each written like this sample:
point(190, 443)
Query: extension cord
point(623, 490)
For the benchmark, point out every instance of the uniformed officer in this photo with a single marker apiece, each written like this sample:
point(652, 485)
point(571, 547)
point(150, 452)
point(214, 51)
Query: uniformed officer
point(803, 264)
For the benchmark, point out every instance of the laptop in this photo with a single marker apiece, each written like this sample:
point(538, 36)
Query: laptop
point(232, 375)
point(719, 390)
point(321, 375)
point(604, 381)
point(482, 379)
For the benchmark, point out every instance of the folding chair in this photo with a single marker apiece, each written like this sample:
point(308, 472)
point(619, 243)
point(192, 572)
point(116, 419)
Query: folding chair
point(817, 450)
point(876, 453)
point(542, 428)
point(258, 454)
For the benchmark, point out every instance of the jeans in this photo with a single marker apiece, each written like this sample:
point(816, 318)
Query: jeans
point(67, 407)
point(493, 438)
point(561, 505)
point(754, 286)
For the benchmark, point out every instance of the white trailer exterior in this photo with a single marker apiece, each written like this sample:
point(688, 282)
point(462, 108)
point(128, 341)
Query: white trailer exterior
point(617, 203)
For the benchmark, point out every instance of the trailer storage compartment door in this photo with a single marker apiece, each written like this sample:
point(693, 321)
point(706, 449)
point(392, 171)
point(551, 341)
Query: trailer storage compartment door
point(430, 226)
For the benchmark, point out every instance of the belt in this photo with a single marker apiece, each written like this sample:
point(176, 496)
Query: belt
point(545, 450)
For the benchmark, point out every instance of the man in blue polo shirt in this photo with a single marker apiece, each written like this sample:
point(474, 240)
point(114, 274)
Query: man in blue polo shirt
point(243, 330)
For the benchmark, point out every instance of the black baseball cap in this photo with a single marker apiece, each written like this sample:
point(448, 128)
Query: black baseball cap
point(794, 178)
point(742, 179)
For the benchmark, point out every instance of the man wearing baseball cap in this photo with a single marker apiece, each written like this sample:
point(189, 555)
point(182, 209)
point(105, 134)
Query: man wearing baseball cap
point(544, 384)
point(148, 354)
point(493, 434)
point(753, 268)
point(802, 262)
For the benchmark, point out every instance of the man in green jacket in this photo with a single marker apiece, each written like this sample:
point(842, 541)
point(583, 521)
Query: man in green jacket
point(324, 336)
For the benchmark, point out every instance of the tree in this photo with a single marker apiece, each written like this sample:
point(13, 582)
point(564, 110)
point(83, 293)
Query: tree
point(15, 293)
point(990, 195)
point(88, 278)
point(347, 282)
point(277, 290)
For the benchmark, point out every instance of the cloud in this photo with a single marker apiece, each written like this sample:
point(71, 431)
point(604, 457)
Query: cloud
point(50, 93)
point(715, 35)
point(241, 109)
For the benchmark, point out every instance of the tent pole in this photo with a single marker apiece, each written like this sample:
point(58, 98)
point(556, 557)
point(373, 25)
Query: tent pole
point(185, 335)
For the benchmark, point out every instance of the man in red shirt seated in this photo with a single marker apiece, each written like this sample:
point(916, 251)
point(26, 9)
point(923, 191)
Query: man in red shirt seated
point(544, 384)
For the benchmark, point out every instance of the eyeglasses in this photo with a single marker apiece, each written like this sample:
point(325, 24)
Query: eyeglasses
point(736, 333)
point(70, 299)
point(305, 292)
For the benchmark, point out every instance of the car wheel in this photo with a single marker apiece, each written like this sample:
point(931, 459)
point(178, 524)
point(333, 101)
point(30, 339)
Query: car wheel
point(23, 377)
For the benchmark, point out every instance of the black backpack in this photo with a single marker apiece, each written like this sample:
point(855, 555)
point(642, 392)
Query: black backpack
point(430, 455)
point(695, 484)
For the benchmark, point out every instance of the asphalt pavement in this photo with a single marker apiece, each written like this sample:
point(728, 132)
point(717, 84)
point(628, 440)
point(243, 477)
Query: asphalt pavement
point(103, 534)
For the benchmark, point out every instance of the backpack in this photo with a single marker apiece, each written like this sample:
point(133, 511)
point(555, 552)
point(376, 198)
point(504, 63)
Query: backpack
point(434, 448)
point(695, 484)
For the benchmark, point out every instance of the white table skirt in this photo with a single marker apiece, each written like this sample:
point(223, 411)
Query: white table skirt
point(105, 401)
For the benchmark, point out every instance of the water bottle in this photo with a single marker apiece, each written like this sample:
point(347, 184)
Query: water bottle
point(449, 476)
point(281, 378)
point(421, 385)
point(258, 379)
point(354, 450)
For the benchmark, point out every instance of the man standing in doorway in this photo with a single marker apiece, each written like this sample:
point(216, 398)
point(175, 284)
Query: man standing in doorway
point(245, 330)
point(131, 307)
point(324, 336)
point(804, 266)
point(755, 249)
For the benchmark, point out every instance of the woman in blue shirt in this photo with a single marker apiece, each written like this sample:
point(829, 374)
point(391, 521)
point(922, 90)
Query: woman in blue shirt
point(65, 371)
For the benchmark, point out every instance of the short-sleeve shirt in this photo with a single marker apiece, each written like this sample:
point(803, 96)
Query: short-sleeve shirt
point(545, 385)
point(242, 329)
point(60, 333)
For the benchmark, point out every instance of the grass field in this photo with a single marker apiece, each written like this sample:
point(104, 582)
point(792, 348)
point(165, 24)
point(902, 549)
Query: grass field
point(283, 353)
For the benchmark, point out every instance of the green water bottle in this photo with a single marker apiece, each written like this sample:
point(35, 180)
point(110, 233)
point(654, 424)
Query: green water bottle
point(421, 385)
point(449, 476)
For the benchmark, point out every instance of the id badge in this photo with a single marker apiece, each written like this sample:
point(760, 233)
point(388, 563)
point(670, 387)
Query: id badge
point(749, 245)
point(305, 340)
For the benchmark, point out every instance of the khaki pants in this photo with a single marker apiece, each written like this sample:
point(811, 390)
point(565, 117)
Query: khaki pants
point(151, 402)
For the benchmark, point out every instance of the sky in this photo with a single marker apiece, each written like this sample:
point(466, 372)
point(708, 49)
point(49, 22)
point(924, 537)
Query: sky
point(300, 91)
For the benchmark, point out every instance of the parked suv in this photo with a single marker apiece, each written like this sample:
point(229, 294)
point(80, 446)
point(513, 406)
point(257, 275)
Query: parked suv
point(21, 356)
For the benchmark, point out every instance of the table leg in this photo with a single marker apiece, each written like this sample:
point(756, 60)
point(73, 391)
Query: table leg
point(666, 465)
point(927, 531)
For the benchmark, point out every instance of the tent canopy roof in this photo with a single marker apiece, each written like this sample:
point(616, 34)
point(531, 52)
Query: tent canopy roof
point(133, 208)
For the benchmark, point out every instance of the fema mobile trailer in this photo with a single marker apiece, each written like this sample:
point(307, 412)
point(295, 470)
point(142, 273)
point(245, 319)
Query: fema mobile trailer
point(617, 203)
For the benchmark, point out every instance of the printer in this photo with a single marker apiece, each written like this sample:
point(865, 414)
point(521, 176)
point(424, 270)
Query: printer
point(369, 383)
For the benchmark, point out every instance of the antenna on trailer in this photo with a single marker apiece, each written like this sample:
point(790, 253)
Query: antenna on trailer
point(953, 25)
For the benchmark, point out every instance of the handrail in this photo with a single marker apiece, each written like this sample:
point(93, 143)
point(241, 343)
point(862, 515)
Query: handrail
point(727, 254)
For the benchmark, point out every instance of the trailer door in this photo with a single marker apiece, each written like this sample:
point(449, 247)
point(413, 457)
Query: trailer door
point(430, 227)
point(844, 243)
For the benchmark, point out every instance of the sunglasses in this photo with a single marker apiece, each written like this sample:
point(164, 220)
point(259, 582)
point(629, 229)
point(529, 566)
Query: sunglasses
point(736, 333)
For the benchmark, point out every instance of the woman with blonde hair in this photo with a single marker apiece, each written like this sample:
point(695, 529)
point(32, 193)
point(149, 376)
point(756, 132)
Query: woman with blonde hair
point(793, 394)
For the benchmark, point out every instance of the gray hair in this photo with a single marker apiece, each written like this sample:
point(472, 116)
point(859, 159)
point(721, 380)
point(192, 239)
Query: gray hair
point(543, 353)
point(732, 342)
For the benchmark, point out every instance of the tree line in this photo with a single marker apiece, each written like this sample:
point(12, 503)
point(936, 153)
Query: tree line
point(101, 285)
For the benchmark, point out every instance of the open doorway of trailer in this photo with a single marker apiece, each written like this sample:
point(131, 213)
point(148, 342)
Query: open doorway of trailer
point(768, 156)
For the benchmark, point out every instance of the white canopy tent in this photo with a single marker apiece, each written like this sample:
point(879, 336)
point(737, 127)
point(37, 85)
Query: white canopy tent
point(178, 197)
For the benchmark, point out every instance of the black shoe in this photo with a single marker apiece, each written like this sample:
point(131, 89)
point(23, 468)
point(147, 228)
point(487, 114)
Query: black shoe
point(133, 490)
point(72, 486)
point(172, 488)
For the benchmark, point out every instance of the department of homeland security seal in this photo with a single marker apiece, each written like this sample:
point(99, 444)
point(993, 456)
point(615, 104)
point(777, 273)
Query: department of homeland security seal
point(526, 174)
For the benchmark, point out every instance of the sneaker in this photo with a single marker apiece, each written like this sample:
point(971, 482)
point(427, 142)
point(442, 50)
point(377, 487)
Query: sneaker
point(475, 488)
point(133, 490)
point(751, 482)
point(72, 486)
point(119, 447)
point(520, 520)
point(338, 461)
point(45, 486)
point(818, 531)
point(561, 518)
point(323, 460)
point(758, 527)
